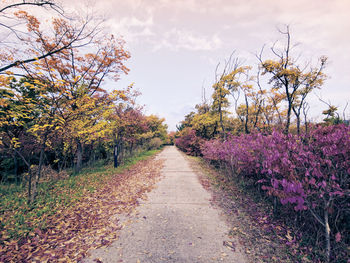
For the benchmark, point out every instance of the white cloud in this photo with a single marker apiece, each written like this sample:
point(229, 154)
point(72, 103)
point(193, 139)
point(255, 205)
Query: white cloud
point(181, 39)
point(133, 28)
point(213, 29)
point(135, 22)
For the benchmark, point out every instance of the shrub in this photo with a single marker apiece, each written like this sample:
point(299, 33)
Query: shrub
point(154, 143)
point(309, 173)
point(189, 142)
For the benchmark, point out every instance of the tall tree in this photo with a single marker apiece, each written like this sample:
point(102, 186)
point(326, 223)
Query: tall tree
point(66, 80)
point(296, 81)
point(75, 79)
point(28, 110)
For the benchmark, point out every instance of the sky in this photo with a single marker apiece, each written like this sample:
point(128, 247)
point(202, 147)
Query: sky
point(175, 45)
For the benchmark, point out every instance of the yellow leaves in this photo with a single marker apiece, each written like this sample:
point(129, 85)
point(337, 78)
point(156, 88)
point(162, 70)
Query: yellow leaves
point(271, 65)
point(8, 72)
point(76, 79)
point(6, 79)
point(40, 127)
point(119, 94)
point(15, 143)
point(291, 75)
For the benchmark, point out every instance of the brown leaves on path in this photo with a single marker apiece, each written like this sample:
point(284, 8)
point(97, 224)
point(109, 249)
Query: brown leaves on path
point(251, 225)
point(91, 223)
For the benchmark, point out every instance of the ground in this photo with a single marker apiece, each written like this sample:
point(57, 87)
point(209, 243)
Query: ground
point(177, 223)
point(168, 208)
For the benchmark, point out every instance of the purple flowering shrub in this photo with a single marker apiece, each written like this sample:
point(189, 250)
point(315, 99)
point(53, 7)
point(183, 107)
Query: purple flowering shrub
point(189, 142)
point(240, 153)
point(308, 172)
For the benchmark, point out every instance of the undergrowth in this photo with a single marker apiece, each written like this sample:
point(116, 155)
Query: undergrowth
point(18, 219)
point(262, 234)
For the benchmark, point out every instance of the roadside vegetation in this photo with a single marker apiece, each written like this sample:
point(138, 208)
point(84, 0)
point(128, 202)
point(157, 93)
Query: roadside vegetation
point(270, 144)
point(66, 141)
point(72, 215)
point(56, 116)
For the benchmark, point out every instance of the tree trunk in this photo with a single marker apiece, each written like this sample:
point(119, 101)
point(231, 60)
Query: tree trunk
point(121, 154)
point(222, 123)
point(79, 154)
point(298, 124)
point(275, 206)
point(246, 115)
point(29, 171)
point(257, 116)
point(306, 127)
point(115, 155)
point(30, 178)
point(41, 162)
point(286, 130)
point(34, 181)
point(131, 148)
point(297, 113)
point(327, 235)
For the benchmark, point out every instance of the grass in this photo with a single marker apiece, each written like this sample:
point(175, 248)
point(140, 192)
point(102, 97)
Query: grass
point(18, 219)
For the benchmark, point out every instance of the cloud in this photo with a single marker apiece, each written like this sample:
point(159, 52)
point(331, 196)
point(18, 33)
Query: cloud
point(181, 39)
point(133, 28)
point(212, 29)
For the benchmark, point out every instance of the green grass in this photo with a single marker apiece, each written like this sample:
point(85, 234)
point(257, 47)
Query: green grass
point(18, 219)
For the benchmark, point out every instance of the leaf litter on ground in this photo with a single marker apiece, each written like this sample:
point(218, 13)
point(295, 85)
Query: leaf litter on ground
point(251, 223)
point(91, 223)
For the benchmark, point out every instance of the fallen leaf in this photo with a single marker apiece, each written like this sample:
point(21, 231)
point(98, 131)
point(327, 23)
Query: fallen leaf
point(230, 245)
point(289, 237)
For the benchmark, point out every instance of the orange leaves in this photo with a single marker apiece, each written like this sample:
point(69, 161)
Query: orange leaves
point(33, 23)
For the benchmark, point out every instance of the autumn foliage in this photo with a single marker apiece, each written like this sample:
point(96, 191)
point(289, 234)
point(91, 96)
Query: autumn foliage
point(56, 118)
point(308, 174)
point(54, 110)
point(301, 168)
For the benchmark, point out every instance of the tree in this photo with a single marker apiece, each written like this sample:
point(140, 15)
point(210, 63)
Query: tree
point(157, 127)
point(75, 81)
point(206, 124)
point(295, 81)
point(222, 87)
point(16, 116)
point(28, 110)
point(220, 101)
point(126, 122)
point(63, 85)
point(22, 46)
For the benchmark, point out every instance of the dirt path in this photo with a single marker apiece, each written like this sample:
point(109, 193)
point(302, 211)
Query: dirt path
point(176, 223)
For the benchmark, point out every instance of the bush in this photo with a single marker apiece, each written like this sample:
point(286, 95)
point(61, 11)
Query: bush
point(309, 173)
point(189, 142)
point(154, 143)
